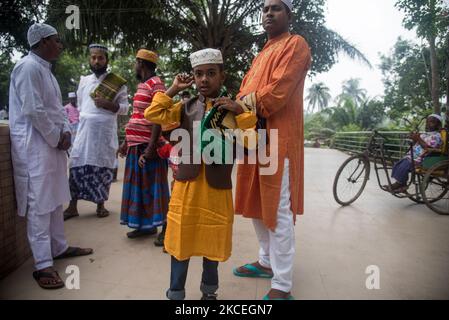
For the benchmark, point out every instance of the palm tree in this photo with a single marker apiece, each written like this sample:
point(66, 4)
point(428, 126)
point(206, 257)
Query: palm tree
point(233, 26)
point(318, 97)
point(351, 90)
point(344, 114)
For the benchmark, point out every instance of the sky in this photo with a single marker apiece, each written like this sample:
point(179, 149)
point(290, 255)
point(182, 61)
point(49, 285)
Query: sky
point(373, 27)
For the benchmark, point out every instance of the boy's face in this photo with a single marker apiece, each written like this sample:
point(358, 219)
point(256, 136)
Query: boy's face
point(208, 79)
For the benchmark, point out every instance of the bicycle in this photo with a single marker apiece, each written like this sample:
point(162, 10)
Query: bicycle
point(424, 186)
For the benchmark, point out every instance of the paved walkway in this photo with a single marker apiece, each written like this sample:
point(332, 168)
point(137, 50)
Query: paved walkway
point(408, 242)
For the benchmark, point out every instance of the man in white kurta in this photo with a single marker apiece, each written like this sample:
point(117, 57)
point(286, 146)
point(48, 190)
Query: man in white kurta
point(40, 136)
point(93, 156)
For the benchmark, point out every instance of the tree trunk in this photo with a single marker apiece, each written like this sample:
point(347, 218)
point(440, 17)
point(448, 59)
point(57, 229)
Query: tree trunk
point(435, 76)
point(428, 72)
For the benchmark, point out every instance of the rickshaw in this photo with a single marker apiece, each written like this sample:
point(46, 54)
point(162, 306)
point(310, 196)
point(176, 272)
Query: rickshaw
point(428, 184)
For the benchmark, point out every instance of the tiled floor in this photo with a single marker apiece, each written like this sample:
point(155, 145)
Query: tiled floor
point(408, 242)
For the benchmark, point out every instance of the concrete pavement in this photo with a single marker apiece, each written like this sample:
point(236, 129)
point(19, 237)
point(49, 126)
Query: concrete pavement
point(407, 242)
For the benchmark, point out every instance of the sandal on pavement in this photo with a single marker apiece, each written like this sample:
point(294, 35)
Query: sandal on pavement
point(103, 213)
point(74, 252)
point(254, 272)
point(140, 233)
point(70, 215)
point(53, 281)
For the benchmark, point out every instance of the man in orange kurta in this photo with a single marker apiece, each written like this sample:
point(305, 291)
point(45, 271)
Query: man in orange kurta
point(276, 83)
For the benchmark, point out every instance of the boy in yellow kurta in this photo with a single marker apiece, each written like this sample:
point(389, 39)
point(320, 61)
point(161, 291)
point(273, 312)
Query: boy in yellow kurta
point(200, 216)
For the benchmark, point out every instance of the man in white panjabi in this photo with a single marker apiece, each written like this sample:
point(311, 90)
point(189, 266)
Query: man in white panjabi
point(101, 97)
point(40, 138)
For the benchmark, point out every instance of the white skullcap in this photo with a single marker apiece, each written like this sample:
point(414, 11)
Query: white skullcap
point(99, 47)
point(288, 3)
point(206, 56)
point(436, 116)
point(72, 95)
point(39, 31)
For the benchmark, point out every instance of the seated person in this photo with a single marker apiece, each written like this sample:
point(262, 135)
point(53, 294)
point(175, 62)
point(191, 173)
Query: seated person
point(431, 139)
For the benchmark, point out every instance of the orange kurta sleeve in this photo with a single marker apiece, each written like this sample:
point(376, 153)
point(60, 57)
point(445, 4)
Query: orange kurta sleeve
point(293, 64)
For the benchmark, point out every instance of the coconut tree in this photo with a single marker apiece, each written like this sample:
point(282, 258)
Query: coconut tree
point(318, 97)
point(351, 90)
point(233, 26)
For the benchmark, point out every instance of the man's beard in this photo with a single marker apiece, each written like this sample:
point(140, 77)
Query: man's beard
point(99, 71)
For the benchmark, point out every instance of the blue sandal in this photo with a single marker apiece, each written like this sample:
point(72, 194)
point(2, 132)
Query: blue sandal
point(254, 272)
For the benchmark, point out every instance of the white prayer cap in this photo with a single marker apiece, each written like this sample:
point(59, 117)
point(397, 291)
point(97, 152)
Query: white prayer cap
point(206, 56)
point(288, 3)
point(436, 116)
point(39, 31)
point(99, 47)
point(72, 95)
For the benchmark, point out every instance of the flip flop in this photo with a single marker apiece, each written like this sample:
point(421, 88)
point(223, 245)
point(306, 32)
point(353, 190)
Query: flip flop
point(37, 275)
point(74, 252)
point(70, 215)
point(290, 297)
point(254, 272)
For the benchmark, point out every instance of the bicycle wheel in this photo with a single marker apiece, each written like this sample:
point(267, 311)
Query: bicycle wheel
point(351, 179)
point(435, 186)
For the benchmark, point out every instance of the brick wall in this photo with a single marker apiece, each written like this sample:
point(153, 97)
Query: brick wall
point(14, 248)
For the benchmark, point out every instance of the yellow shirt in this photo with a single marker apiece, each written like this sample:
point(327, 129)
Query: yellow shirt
point(200, 218)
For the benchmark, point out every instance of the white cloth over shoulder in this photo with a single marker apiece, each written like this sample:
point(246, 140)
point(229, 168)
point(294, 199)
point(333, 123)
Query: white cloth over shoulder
point(37, 119)
point(96, 141)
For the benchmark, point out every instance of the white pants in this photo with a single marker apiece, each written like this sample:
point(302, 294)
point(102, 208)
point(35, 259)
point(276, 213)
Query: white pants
point(277, 249)
point(46, 236)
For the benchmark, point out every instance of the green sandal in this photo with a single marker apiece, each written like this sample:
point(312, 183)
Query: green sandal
point(254, 272)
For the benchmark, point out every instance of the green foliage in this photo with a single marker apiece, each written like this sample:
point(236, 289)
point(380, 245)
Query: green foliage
point(6, 67)
point(313, 123)
point(176, 27)
point(351, 128)
point(352, 112)
point(406, 78)
point(124, 66)
point(15, 18)
point(68, 70)
point(424, 15)
point(428, 19)
point(370, 114)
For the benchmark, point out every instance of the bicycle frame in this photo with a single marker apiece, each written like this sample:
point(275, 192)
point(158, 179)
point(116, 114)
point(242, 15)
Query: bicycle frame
point(381, 159)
